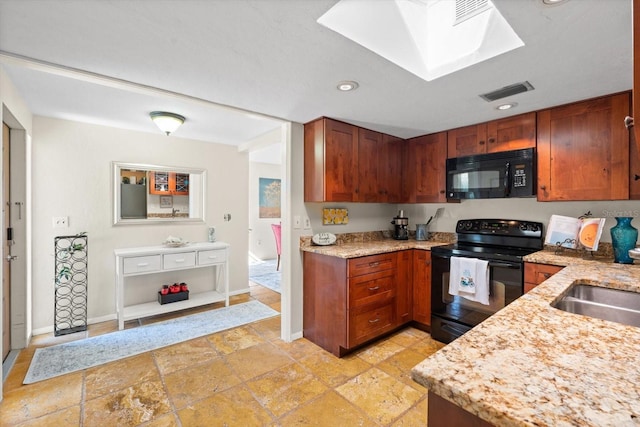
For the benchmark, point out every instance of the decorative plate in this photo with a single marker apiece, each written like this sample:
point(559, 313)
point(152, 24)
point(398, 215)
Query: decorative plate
point(324, 239)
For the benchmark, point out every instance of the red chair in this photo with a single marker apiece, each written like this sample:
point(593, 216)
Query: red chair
point(277, 232)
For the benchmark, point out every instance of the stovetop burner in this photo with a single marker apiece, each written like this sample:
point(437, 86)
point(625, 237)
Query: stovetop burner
point(499, 239)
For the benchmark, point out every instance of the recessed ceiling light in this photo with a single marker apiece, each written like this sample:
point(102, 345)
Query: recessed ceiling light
point(507, 106)
point(347, 85)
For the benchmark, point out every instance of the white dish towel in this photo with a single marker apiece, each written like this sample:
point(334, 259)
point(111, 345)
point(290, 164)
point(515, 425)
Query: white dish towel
point(469, 278)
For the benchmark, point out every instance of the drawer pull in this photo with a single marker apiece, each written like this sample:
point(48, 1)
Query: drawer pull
point(143, 264)
point(376, 320)
point(374, 264)
point(375, 288)
point(213, 256)
point(179, 260)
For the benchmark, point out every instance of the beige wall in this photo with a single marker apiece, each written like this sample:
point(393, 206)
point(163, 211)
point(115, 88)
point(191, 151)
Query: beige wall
point(72, 177)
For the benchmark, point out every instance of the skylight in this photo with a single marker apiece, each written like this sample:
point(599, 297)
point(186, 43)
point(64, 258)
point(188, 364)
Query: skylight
point(429, 38)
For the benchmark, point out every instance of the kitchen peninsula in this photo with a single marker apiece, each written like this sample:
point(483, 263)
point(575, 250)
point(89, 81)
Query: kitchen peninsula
point(365, 286)
point(534, 365)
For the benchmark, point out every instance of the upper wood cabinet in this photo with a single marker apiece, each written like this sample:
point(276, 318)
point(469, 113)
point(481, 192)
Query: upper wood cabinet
point(511, 133)
point(330, 161)
point(634, 168)
point(583, 150)
point(636, 74)
point(369, 166)
point(391, 163)
point(346, 163)
point(426, 168)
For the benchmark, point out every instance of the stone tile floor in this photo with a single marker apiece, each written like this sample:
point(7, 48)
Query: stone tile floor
point(245, 376)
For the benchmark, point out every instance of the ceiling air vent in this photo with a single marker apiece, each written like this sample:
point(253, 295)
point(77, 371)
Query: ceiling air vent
point(466, 9)
point(507, 91)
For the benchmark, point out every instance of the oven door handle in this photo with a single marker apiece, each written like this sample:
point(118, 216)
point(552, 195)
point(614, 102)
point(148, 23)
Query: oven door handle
point(504, 265)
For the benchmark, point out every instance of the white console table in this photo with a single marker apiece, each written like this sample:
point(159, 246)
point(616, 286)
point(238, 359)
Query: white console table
point(158, 259)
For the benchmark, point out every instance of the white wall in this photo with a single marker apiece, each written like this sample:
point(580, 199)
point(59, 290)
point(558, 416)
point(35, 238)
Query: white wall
point(261, 240)
point(72, 177)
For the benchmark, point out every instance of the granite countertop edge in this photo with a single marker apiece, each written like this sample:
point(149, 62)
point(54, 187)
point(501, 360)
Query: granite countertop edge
point(534, 365)
point(355, 250)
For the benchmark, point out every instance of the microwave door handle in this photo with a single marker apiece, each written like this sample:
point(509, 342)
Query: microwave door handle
point(507, 180)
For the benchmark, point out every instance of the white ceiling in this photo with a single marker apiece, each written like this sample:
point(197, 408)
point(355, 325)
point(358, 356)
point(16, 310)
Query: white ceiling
point(111, 62)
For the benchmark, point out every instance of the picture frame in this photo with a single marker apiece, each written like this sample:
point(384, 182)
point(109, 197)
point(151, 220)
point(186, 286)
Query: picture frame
point(166, 201)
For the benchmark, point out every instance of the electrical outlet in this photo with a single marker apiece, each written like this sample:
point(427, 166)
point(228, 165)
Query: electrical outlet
point(296, 221)
point(307, 223)
point(60, 221)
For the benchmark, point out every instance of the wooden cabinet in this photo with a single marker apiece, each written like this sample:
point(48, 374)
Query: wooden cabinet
point(345, 163)
point(369, 166)
point(426, 168)
point(634, 168)
point(169, 183)
point(330, 161)
point(510, 133)
point(534, 274)
point(422, 287)
point(636, 74)
point(404, 293)
point(583, 150)
point(348, 302)
point(391, 168)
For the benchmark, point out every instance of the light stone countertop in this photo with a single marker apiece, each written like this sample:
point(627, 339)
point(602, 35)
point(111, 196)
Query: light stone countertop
point(359, 249)
point(533, 365)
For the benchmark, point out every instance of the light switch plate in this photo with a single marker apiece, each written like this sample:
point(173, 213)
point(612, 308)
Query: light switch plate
point(307, 223)
point(296, 221)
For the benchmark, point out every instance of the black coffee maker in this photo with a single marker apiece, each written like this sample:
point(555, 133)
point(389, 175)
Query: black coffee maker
point(401, 229)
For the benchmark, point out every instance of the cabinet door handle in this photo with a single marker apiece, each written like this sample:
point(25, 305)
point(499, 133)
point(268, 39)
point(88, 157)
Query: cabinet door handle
point(492, 140)
point(374, 264)
point(543, 187)
point(375, 288)
point(143, 264)
point(636, 177)
point(376, 320)
point(481, 142)
point(546, 275)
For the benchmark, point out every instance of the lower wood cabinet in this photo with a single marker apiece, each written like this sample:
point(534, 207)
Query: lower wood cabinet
point(534, 274)
point(348, 302)
point(422, 287)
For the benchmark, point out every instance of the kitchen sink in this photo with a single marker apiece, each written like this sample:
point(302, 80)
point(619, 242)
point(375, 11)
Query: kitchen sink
point(603, 303)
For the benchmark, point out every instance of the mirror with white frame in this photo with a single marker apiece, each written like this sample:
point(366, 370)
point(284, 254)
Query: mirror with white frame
point(149, 194)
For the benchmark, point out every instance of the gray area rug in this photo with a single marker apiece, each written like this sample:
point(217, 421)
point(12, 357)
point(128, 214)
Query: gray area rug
point(74, 356)
point(265, 274)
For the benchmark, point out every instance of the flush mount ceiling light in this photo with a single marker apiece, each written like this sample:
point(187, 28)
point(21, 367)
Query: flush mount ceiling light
point(474, 31)
point(507, 106)
point(550, 2)
point(347, 85)
point(167, 122)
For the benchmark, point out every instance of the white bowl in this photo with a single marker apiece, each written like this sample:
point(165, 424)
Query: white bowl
point(634, 253)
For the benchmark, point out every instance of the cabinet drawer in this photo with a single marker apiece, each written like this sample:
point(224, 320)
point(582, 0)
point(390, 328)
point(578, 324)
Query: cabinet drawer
point(369, 322)
point(212, 257)
point(141, 264)
point(181, 260)
point(372, 264)
point(371, 288)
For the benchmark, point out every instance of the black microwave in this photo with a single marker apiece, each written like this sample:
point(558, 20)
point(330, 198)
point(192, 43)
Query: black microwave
point(494, 175)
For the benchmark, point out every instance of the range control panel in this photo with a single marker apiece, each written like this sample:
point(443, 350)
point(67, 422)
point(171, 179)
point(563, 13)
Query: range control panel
point(503, 227)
